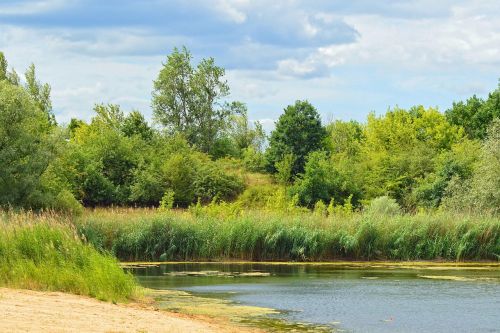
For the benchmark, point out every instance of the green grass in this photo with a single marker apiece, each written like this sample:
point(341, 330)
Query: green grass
point(149, 235)
point(43, 252)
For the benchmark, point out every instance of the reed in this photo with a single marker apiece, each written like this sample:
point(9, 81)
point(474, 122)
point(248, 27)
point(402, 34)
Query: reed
point(152, 235)
point(44, 252)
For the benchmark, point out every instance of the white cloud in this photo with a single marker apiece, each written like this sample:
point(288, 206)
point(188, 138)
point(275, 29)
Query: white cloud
point(232, 9)
point(82, 74)
point(32, 7)
point(282, 52)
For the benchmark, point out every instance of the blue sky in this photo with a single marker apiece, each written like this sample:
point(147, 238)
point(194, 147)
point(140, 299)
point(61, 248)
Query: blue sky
point(346, 57)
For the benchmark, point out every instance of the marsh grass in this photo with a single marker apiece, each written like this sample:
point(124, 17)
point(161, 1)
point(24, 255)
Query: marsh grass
point(150, 235)
point(44, 252)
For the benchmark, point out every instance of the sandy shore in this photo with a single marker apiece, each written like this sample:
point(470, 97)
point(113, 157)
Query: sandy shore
point(34, 311)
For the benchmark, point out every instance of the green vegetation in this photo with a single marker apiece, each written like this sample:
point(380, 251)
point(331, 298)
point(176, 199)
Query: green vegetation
point(407, 184)
point(44, 253)
point(227, 233)
point(203, 148)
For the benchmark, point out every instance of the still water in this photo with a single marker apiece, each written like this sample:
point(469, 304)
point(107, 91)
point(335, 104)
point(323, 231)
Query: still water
point(348, 297)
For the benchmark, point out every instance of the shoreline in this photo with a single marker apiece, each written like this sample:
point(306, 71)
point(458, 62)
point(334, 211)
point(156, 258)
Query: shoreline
point(360, 263)
point(24, 310)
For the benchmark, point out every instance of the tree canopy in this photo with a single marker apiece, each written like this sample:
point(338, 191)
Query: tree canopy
point(206, 149)
point(298, 132)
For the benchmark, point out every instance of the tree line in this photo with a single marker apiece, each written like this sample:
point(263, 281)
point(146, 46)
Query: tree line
point(200, 146)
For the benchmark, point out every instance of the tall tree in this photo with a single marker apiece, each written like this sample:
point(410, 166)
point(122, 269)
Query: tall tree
point(298, 132)
point(189, 100)
point(25, 149)
point(40, 93)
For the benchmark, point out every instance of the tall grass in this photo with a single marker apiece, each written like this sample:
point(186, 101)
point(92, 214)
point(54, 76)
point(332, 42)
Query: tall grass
point(263, 235)
point(43, 252)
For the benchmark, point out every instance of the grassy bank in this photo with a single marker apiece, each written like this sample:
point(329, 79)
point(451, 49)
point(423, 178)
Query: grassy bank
point(43, 252)
point(300, 236)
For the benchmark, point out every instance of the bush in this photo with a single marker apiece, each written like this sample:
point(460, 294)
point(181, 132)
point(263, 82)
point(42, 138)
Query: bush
point(167, 201)
point(66, 202)
point(383, 206)
point(320, 181)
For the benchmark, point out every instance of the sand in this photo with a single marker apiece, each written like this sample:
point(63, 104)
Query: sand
point(35, 311)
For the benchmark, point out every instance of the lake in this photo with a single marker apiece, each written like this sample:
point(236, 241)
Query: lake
point(349, 297)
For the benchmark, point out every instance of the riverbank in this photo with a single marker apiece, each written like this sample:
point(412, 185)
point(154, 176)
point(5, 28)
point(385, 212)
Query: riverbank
point(35, 311)
point(217, 233)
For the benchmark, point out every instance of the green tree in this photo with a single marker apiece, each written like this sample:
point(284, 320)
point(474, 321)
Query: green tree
point(11, 76)
point(344, 137)
point(321, 181)
point(475, 115)
point(481, 193)
point(40, 93)
point(457, 164)
point(26, 148)
point(102, 159)
point(188, 100)
point(243, 133)
point(135, 124)
point(298, 131)
point(400, 147)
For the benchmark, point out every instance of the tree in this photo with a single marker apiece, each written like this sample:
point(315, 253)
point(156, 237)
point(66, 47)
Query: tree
point(480, 193)
point(188, 100)
point(457, 164)
point(321, 181)
point(345, 137)
point(3, 67)
point(298, 131)
point(475, 115)
point(135, 124)
point(25, 148)
point(242, 132)
point(400, 147)
point(40, 93)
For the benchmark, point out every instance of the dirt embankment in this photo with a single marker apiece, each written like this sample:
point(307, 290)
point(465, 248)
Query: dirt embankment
point(34, 311)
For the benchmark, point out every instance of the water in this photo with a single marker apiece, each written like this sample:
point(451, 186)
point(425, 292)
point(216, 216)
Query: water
point(349, 297)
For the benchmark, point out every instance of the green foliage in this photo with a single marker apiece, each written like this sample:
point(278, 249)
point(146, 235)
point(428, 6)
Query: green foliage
point(212, 182)
point(104, 175)
point(26, 148)
point(253, 160)
point(45, 254)
point(400, 148)
point(321, 181)
point(244, 134)
point(344, 137)
point(257, 197)
point(40, 93)
point(475, 115)
point(295, 236)
point(284, 168)
point(167, 201)
point(187, 100)
point(208, 151)
point(135, 124)
point(383, 206)
point(298, 131)
point(457, 163)
point(480, 193)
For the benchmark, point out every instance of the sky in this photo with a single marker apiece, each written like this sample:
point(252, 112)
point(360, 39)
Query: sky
point(347, 58)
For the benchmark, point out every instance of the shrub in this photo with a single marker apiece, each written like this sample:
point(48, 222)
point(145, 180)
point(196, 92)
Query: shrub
point(383, 206)
point(167, 201)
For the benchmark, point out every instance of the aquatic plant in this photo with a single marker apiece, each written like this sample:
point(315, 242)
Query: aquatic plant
point(148, 234)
